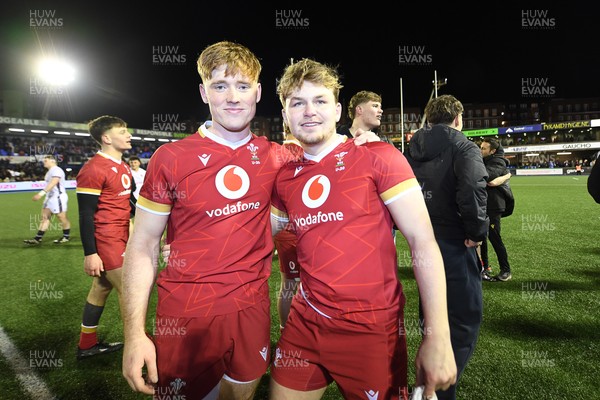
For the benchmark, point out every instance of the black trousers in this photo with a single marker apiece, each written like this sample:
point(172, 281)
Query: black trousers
point(497, 244)
point(465, 303)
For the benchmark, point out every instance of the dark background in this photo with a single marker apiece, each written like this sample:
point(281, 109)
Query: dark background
point(483, 51)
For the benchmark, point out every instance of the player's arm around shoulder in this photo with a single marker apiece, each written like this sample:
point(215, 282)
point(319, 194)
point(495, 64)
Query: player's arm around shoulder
point(361, 137)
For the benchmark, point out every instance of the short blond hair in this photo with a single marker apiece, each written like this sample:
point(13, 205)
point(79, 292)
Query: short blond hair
point(238, 58)
point(308, 70)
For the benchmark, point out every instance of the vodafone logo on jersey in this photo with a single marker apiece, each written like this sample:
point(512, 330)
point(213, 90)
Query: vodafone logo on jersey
point(314, 194)
point(316, 191)
point(232, 182)
point(125, 181)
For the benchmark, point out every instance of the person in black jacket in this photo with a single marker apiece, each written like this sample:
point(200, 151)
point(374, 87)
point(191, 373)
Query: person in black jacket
point(453, 179)
point(496, 166)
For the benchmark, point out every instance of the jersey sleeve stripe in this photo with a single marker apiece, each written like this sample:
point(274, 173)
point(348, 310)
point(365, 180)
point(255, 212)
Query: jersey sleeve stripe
point(82, 190)
point(153, 207)
point(399, 190)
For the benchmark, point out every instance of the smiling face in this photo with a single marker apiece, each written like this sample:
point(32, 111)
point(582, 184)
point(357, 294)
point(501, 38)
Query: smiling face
point(232, 101)
point(134, 164)
point(311, 112)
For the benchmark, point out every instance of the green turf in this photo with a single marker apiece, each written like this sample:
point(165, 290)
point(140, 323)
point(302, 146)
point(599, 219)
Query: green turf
point(540, 337)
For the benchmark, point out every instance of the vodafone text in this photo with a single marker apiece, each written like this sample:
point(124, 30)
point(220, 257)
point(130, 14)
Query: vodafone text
point(233, 209)
point(318, 218)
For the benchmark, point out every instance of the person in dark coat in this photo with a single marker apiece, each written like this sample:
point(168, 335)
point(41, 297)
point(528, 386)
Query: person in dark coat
point(496, 166)
point(453, 179)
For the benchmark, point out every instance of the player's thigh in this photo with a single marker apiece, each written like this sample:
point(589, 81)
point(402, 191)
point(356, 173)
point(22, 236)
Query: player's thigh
point(190, 354)
point(203, 351)
point(298, 364)
point(277, 391)
point(378, 349)
point(237, 390)
point(250, 332)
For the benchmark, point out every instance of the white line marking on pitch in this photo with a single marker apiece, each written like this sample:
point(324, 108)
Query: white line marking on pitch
point(32, 384)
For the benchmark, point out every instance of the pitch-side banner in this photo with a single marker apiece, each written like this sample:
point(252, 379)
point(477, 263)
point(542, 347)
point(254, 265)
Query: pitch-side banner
point(29, 186)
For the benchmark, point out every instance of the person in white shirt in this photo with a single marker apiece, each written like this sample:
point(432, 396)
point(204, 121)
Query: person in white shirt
point(54, 204)
point(138, 174)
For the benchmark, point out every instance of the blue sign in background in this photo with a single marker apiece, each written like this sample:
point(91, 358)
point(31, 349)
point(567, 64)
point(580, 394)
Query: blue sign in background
point(519, 129)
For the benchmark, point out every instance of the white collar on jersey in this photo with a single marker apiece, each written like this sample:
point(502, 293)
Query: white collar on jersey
point(220, 140)
point(109, 157)
point(339, 139)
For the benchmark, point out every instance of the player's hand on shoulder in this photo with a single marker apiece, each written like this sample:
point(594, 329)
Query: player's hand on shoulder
point(361, 137)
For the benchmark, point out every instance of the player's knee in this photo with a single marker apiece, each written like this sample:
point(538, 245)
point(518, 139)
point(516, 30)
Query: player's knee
point(101, 286)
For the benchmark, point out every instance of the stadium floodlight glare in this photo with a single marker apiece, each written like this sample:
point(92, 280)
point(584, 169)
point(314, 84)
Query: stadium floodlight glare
point(56, 72)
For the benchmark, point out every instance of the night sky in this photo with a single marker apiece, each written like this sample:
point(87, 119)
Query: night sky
point(139, 62)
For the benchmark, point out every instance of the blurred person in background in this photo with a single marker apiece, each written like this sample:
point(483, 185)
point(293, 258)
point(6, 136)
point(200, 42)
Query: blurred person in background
point(54, 204)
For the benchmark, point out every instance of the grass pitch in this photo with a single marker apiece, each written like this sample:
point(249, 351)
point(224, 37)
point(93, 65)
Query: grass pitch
point(540, 337)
